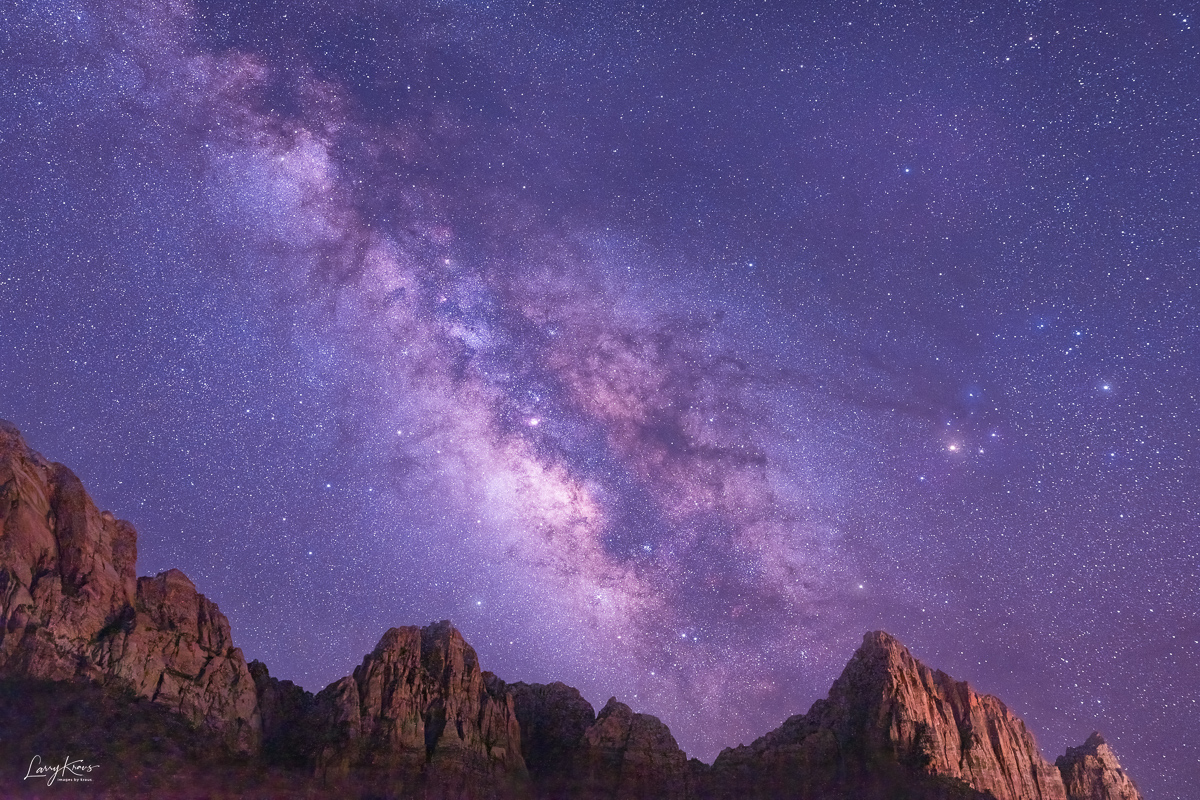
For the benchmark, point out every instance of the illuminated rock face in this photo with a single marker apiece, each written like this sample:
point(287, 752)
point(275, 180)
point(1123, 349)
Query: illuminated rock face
point(72, 608)
point(1091, 772)
point(418, 716)
point(889, 719)
point(897, 705)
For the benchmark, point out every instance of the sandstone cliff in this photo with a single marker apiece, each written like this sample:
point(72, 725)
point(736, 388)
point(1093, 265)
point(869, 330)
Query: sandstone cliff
point(888, 713)
point(573, 752)
point(893, 727)
point(1091, 772)
point(632, 755)
point(418, 717)
point(291, 731)
point(553, 719)
point(72, 608)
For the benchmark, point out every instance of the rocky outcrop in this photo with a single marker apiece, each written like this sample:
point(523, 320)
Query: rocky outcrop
point(71, 607)
point(573, 752)
point(66, 570)
point(628, 755)
point(418, 717)
point(1092, 772)
point(175, 649)
point(889, 713)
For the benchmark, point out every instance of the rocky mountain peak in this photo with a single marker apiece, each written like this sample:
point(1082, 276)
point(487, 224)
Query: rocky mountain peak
point(440, 635)
point(881, 666)
point(888, 711)
point(613, 724)
point(418, 710)
point(72, 608)
point(1092, 772)
point(881, 644)
point(625, 754)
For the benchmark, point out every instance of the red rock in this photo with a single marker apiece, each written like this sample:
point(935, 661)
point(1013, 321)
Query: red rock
point(890, 714)
point(572, 752)
point(290, 735)
point(418, 717)
point(71, 607)
point(66, 570)
point(1092, 772)
point(628, 755)
point(553, 719)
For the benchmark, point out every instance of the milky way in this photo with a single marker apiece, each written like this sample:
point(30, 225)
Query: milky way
point(664, 349)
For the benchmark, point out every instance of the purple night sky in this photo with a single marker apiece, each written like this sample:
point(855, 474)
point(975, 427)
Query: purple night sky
point(665, 348)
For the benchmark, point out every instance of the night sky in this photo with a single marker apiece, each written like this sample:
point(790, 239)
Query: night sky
point(665, 348)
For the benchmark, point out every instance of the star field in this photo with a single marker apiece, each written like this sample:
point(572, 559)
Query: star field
point(664, 348)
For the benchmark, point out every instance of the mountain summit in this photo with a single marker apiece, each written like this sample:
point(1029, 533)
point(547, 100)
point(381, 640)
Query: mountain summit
point(888, 716)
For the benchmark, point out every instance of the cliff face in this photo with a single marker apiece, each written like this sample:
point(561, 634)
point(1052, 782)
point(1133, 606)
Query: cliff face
point(888, 712)
point(553, 719)
point(632, 755)
point(66, 570)
point(928, 719)
point(72, 608)
point(573, 752)
point(1091, 772)
point(290, 731)
point(419, 718)
point(418, 715)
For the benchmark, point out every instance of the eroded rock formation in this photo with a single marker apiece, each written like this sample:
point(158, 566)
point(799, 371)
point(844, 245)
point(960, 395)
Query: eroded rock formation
point(553, 719)
point(632, 755)
point(929, 719)
point(891, 721)
point(72, 608)
point(573, 752)
point(1091, 772)
point(418, 716)
point(291, 732)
